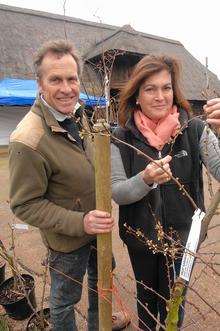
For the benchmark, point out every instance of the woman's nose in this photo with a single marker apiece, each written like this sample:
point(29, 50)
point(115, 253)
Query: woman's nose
point(159, 94)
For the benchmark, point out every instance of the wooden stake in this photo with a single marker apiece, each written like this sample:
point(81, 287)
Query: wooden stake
point(104, 241)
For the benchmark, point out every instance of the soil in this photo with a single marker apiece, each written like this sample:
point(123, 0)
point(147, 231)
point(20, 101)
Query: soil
point(199, 314)
point(10, 294)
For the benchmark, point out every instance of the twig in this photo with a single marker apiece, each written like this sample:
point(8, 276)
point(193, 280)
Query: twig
point(181, 187)
point(42, 319)
point(206, 302)
point(64, 14)
point(144, 306)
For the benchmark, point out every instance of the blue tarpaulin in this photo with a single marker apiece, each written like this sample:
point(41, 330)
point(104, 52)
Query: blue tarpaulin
point(22, 92)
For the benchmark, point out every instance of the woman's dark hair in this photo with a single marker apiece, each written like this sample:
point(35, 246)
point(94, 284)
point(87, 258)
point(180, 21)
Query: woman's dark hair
point(145, 68)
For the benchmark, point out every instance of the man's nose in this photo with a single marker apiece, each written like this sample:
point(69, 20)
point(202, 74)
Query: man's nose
point(65, 87)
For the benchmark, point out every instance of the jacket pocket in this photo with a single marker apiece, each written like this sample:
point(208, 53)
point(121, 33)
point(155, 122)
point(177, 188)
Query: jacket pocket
point(77, 204)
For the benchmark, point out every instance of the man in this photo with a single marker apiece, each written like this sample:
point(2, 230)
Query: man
point(52, 185)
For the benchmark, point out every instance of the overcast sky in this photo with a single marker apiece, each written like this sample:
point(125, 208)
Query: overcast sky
point(195, 23)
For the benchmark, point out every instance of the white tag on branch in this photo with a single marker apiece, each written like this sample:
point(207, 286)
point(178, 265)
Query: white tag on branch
point(19, 226)
point(191, 245)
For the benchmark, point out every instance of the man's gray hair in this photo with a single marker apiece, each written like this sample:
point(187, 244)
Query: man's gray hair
point(56, 47)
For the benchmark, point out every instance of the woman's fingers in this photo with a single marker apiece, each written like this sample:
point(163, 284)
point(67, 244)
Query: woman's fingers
point(158, 171)
point(165, 159)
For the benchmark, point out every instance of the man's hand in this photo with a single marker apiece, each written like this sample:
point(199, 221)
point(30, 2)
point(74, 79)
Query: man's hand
point(154, 174)
point(212, 110)
point(97, 221)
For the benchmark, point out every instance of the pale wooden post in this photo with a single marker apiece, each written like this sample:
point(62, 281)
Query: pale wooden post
point(104, 241)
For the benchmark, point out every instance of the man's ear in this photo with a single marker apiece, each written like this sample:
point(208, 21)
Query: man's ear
point(39, 83)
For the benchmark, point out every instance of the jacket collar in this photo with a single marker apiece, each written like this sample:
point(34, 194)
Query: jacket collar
point(42, 110)
point(58, 116)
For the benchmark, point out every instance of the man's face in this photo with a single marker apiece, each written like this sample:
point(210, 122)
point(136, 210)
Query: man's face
point(59, 82)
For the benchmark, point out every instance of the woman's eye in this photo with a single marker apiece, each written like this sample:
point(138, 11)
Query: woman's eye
point(149, 89)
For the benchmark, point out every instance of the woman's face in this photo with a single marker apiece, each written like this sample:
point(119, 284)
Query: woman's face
point(156, 95)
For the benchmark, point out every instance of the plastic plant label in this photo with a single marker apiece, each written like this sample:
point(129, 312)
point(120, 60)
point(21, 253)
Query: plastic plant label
point(191, 245)
point(19, 226)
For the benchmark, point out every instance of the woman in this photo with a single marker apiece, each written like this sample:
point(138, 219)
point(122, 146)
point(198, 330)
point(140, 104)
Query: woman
point(154, 117)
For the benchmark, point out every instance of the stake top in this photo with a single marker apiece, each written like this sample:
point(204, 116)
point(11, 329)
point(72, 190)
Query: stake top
point(101, 125)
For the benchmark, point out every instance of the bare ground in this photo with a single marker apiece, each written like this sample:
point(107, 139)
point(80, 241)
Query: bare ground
point(199, 312)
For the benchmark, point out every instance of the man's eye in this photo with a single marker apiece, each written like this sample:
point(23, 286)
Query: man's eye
point(73, 80)
point(54, 80)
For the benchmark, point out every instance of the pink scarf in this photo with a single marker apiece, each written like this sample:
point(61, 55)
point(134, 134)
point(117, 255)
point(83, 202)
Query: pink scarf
point(160, 133)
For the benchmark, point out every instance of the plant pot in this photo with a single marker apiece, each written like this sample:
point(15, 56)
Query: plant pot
point(2, 271)
point(16, 305)
point(34, 324)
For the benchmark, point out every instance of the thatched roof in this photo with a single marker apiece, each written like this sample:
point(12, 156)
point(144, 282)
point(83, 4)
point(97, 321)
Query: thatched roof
point(128, 39)
point(22, 31)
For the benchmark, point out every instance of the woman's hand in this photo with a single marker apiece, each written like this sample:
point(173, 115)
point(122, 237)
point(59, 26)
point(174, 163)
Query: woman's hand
point(157, 174)
point(212, 110)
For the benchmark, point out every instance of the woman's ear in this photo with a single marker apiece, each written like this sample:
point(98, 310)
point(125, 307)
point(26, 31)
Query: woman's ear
point(173, 109)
